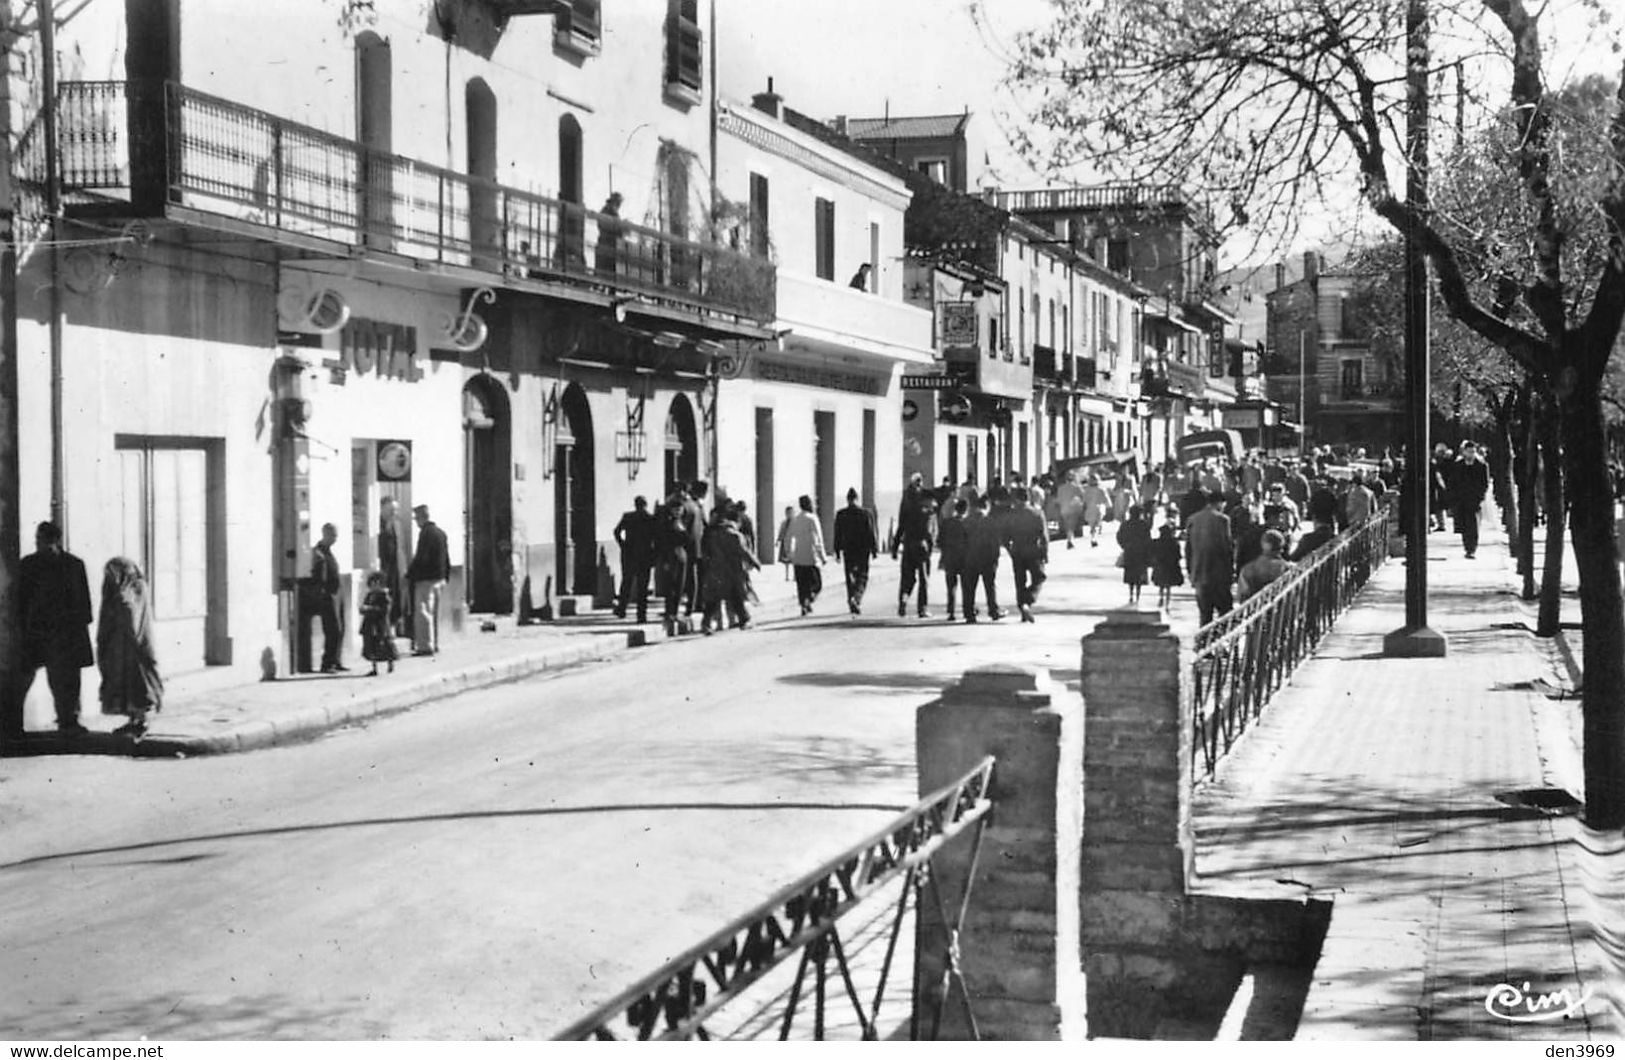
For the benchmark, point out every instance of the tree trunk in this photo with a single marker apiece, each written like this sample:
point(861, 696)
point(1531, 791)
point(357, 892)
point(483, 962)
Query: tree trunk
point(1528, 462)
point(1501, 461)
point(1601, 612)
point(1550, 618)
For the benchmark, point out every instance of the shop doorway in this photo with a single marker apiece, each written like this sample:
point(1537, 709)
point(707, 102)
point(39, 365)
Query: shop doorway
point(487, 508)
point(824, 472)
point(682, 459)
point(574, 529)
point(767, 516)
point(172, 522)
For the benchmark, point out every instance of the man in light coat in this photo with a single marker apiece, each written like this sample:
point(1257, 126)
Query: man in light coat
point(805, 546)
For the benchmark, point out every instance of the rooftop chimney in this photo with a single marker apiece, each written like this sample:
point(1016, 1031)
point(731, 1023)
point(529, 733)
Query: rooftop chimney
point(768, 102)
point(840, 124)
point(1311, 265)
point(1280, 275)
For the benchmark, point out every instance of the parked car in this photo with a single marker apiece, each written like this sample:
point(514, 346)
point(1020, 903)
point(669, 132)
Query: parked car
point(1209, 445)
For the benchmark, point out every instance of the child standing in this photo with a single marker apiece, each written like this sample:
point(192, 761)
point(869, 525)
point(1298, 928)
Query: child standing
point(1165, 568)
point(377, 639)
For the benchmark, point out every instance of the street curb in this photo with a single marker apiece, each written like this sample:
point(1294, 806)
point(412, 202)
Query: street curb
point(310, 722)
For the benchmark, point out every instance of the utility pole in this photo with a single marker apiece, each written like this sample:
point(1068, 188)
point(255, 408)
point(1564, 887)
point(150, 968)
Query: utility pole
point(11, 707)
point(1415, 639)
point(53, 213)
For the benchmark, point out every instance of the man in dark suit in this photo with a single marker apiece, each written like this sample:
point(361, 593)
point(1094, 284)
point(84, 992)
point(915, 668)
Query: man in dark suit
point(1471, 482)
point(324, 583)
point(1210, 556)
point(635, 534)
point(428, 571)
point(54, 613)
point(856, 543)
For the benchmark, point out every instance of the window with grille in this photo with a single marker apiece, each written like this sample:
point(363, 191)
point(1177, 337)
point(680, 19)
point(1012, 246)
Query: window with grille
point(683, 49)
point(1353, 380)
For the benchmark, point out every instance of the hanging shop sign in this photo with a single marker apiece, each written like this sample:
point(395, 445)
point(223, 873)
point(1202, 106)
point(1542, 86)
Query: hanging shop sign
point(958, 324)
point(394, 460)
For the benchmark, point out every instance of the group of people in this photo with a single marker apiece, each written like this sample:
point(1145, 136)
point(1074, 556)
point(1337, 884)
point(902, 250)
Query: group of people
point(54, 612)
point(699, 562)
point(382, 607)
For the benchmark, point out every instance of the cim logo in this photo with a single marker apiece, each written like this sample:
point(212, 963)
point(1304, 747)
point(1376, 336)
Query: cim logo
point(1519, 1005)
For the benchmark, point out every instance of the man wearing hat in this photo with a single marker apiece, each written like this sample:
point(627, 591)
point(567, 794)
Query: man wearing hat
point(1470, 482)
point(428, 572)
point(856, 543)
point(916, 536)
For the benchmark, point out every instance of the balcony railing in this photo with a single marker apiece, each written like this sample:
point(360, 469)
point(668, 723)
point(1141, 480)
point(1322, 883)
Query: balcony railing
point(808, 303)
point(221, 158)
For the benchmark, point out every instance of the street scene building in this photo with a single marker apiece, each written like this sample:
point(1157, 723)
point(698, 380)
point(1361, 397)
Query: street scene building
point(665, 520)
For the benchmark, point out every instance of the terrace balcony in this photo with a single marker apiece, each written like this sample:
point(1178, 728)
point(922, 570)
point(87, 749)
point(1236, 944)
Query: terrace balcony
point(173, 152)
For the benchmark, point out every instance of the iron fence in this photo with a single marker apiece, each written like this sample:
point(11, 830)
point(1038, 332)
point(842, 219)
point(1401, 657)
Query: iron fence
point(1243, 657)
point(676, 1001)
point(223, 158)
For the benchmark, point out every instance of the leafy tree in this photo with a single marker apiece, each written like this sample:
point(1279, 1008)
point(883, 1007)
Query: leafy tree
point(1265, 104)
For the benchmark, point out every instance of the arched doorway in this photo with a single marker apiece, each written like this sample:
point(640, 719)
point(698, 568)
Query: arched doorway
point(375, 126)
point(573, 229)
point(682, 444)
point(484, 232)
point(575, 533)
point(488, 507)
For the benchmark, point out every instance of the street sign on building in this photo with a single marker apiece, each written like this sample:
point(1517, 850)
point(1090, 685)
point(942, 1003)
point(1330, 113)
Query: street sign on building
point(931, 382)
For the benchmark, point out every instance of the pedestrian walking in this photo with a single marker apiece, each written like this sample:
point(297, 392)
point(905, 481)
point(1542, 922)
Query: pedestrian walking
point(325, 585)
point(1134, 538)
point(635, 537)
point(1165, 569)
point(747, 529)
point(53, 612)
point(805, 546)
point(1268, 567)
point(1095, 506)
point(693, 496)
point(1026, 536)
point(1210, 557)
point(428, 572)
point(131, 684)
point(1069, 496)
point(1470, 483)
point(728, 563)
point(953, 543)
point(783, 540)
point(377, 636)
point(916, 537)
point(856, 543)
point(983, 538)
point(671, 559)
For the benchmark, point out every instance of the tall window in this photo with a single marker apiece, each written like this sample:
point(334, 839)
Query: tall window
point(683, 50)
point(758, 216)
point(1353, 380)
point(1117, 255)
point(824, 237)
point(1066, 329)
point(1021, 321)
point(874, 260)
point(1052, 342)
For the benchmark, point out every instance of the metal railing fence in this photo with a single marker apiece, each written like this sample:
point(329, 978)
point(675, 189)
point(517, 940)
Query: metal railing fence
point(1243, 657)
point(675, 1001)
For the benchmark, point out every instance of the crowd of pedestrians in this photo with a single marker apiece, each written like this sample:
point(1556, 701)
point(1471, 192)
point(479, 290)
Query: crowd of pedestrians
point(1226, 528)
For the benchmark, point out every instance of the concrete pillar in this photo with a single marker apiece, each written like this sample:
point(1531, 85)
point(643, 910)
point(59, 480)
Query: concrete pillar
point(1019, 946)
point(1137, 842)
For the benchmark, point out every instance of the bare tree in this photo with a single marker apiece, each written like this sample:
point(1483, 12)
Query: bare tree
point(1266, 104)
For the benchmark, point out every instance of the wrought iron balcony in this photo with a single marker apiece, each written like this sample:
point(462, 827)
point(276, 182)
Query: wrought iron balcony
point(178, 148)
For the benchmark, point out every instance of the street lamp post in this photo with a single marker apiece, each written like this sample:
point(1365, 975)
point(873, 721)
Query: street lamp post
point(1415, 639)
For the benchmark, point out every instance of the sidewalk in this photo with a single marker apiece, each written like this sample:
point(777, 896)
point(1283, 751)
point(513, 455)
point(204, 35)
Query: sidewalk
point(215, 712)
point(1432, 802)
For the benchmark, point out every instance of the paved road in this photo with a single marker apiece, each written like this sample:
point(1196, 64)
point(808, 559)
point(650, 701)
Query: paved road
point(488, 866)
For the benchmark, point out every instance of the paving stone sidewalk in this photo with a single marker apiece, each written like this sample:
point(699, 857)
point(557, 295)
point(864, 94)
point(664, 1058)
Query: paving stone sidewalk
point(217, 712)
point(1426, 799)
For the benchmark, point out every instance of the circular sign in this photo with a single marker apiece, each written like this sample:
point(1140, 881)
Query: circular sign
point(910, 409)
point(394, 460)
